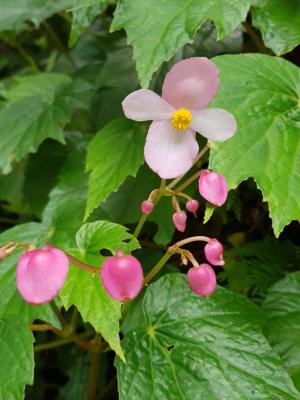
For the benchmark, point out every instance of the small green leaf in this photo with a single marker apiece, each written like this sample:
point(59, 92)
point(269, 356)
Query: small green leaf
point(16, 358)
point(114, 153)
point(179, 21)
point(262, 92)
point(190, 347)
point(85, 290)
point(209, 210)
point(14, 16)
point(282, 307)
point(279, 23)
point(38, 107)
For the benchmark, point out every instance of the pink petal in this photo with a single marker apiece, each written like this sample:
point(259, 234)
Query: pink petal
point(179, 220)
point(191, 83)
point(202, 280)
point(213, 251)
point(215, 124)
point(145, 105)
point(213, 187)
point(122, 277)
point(168, 152)
point(41, 274)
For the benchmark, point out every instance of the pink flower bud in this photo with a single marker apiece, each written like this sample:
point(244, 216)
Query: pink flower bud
point(202, 279)
point(122, 276)
point(179, 220)
point(214, 252)
point(192, 206)
point(146, 207)
point(41, 274)
point(213, 187)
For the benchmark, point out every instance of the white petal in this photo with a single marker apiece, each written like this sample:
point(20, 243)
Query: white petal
point(215, 124)
point(168, 152)
point(145, 105)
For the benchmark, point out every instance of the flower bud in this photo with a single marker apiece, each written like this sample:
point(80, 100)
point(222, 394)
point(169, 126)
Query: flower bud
point(179, 220)
point(214, 252)
point(213, 187)
point(122, 276)
point(41, 274)
point(192, 206)
point(202, 279)
point(146, 207)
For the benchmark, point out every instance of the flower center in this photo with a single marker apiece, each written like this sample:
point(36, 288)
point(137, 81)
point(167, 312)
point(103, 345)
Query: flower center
point(181, 119)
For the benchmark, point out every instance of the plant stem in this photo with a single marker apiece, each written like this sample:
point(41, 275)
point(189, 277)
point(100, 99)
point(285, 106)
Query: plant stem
point(143, 218)
point(52, 345)
point(93, 375)
point(81, 264)
point(173, 250)
point(58, 314)
point(157, 267)
point(187, 182)
point(26, 56)
point(190, 240)
point(58, 42)
point(200, 155)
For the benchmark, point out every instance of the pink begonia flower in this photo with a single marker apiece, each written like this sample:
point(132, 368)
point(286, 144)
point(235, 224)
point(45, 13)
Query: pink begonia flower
point(213, 251)
point(179, 220)
point(202, 279)
point(213, 187)
point(41, 274)
point(192, 206)
point(147, 207)
point(122, 276)
point(171, 146)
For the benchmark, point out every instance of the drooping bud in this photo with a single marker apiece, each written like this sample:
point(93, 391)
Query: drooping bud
point(179, 220)
point(41, 274)
point(192, 206)
point(122, 276)
point(214, 252)
point(147, 207)
point(213, 187)
point(202, 279)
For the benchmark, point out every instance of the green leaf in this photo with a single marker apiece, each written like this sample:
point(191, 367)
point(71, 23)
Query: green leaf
point(171, 24)
point(282, 307)
point(190, 347)
point(262, 93)
point(11, 302)
point(16, 358)
point(114, 153)
point(247, 268)
point(14, 16)
point(64, 212)
point(83, 16)
point(279, 23)
point(38, 107)
point(85, 290)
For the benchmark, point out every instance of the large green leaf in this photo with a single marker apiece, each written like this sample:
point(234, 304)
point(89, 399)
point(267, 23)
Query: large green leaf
point(114, 153)
point(85, 290)
point(14, 15)
point(16, 358)
point(189, 347)
point(158, 28)
point(38, 107)
point(262, 92)
point(279, 23)
point(11, 302)
point(282, 327)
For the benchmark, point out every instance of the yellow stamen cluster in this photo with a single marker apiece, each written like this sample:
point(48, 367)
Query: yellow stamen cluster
point(181, 119)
